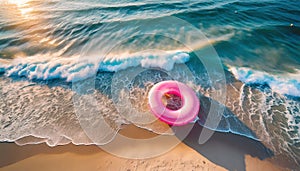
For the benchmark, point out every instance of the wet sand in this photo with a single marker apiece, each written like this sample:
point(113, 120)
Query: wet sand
point(216, 154)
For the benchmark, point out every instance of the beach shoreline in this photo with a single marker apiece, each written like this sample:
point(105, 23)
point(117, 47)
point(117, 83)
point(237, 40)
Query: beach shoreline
point(91, 157)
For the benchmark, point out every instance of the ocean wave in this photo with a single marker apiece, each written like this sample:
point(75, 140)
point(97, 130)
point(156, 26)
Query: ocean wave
point(76, 68)
point(286, 84)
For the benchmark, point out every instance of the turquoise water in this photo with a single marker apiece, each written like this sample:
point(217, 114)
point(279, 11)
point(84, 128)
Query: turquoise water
point(47, 45)
point(258, 36)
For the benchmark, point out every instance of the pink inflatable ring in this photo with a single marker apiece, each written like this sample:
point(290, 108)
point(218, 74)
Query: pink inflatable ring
point(188, 107)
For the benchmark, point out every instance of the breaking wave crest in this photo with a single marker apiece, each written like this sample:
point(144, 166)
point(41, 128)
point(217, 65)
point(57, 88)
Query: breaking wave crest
point(286, 84)
point(72, 69)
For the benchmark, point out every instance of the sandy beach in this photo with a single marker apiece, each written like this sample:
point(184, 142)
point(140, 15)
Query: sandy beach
point(185, 156)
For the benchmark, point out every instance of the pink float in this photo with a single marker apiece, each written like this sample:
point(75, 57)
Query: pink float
point(177, 116)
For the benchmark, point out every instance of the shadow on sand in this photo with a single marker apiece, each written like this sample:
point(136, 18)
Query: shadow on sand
point(224, 148)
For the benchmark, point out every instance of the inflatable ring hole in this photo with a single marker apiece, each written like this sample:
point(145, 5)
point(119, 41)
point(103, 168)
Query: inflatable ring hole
point(172, 101)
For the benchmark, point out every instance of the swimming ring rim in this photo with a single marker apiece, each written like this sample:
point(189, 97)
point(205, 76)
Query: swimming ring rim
point(184, 115)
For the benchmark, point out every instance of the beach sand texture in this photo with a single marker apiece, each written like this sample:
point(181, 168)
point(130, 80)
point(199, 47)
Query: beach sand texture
point(81, 158)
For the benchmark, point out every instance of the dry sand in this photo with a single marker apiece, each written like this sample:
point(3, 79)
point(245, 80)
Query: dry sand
point(82, 158)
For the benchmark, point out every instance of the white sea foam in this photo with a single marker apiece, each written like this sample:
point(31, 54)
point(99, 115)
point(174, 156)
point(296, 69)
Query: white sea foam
point(77, 68)
point(286, 84)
